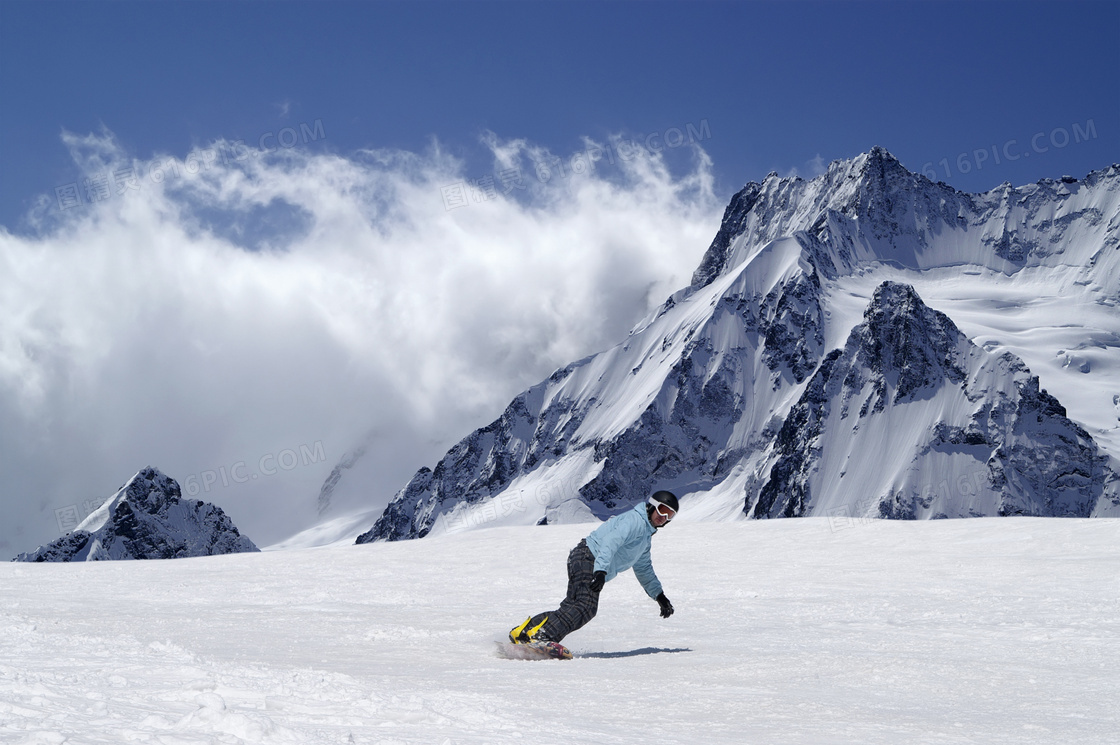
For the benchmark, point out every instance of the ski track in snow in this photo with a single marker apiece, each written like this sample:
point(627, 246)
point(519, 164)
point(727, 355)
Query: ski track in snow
point(999, 630)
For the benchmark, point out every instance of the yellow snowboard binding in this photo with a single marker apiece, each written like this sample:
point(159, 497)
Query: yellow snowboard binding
point(524, 634)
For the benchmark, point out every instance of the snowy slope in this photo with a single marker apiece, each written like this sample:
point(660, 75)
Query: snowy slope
point(147, 519)
point(694, 399)
point(993, 631)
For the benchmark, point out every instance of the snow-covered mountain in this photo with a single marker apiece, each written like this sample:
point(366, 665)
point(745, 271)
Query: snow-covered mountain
point(788, 379)
point(147, 519)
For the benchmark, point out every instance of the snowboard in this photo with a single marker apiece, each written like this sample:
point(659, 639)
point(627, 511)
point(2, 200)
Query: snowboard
point(533, 651)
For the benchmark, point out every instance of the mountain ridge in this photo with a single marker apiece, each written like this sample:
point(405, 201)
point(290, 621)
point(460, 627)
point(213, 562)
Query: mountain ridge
point(696, 396)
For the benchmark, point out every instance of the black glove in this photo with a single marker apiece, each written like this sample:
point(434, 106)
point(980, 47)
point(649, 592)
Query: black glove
point(666, 606)
point(598, 581)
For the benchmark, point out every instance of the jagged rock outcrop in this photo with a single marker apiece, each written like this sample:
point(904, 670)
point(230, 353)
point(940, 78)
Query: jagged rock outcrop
point(863, 426)
point(147, 519)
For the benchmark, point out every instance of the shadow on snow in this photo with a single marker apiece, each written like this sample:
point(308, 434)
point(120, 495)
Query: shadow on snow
point(632, 653)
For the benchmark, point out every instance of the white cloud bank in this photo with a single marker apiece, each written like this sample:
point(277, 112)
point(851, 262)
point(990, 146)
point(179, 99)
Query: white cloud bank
point(232, 313)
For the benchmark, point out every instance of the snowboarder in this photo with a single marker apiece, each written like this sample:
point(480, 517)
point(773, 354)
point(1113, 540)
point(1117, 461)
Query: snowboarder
point(615, 546)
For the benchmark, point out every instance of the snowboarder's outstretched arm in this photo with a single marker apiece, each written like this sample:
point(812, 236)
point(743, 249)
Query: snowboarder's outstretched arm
point(643, 570)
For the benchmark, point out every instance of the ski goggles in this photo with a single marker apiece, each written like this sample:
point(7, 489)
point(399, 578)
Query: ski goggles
point(663, 509)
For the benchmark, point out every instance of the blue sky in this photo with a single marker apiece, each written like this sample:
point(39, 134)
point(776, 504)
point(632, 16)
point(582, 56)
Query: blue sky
point(235, 233)
point(777, 84)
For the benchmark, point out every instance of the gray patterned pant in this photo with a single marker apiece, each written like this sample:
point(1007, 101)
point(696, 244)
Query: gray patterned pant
point(581, 603)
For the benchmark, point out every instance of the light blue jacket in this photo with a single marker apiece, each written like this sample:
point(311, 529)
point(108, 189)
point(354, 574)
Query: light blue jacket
point(623, 542)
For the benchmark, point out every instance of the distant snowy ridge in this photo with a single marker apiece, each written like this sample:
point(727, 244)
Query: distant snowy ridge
point(147, 519)
point(871, 210)
point(696, 399)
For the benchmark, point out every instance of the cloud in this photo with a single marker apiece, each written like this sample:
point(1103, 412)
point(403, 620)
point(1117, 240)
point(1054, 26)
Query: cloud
point(242, 318)
point(813, 167)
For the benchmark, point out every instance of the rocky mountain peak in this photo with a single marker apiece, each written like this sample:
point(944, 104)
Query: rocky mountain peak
point(878, 161)
point(147, 518)
point(904, 337)
point(150, 490)
point(733, 224)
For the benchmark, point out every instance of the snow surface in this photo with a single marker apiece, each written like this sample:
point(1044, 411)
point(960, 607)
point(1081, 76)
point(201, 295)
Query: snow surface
point(817, 630)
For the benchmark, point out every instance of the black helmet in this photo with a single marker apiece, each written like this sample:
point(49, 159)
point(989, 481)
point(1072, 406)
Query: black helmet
point(667, 498)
